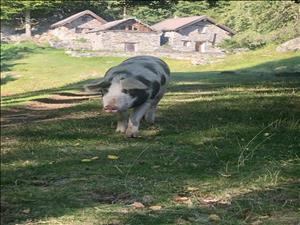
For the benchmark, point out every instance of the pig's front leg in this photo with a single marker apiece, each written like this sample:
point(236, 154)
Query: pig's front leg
point(122, 122)
point(135, 119)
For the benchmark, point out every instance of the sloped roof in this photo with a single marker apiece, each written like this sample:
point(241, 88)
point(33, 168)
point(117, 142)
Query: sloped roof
point(76, 16)
point(114, 23)
point(174, 24)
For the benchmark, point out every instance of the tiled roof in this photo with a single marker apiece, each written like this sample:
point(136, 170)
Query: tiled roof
point(76, 16)
point(174, 24)
point(114, 23)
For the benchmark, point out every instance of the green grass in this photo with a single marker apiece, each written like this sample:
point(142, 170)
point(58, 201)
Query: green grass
point(227, 141)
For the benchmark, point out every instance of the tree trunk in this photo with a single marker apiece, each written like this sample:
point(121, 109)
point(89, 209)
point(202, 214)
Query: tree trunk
point(27, 23)
point(124, 12)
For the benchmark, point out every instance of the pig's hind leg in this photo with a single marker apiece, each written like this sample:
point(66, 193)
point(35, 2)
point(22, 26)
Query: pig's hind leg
point(150, 114)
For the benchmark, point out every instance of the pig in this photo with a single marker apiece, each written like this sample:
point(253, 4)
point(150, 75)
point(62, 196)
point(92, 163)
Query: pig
point(138, 83)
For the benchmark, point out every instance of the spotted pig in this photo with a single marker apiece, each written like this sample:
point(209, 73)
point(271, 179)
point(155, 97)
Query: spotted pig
point(138, 83)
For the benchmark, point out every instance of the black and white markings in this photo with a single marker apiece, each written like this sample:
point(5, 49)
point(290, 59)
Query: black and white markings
point(139, 83)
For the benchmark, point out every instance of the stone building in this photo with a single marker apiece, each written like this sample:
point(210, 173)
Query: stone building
point(129, 35)
point(195, 33)
point(86, 30)
point(81, 22)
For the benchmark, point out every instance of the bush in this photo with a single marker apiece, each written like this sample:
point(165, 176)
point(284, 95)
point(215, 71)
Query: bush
point(251, 40)
point(254, 40)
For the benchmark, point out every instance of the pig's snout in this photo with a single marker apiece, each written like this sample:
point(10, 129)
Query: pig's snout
point(110, 108)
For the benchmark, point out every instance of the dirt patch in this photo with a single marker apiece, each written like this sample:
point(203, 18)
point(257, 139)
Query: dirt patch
point(43, 108)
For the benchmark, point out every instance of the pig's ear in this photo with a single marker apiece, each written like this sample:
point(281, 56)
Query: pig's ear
point(98, 86)
point(131, 83)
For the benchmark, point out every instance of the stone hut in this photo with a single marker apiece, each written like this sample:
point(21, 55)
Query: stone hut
point(193, 34)
point(78, 23)
point(129, 35)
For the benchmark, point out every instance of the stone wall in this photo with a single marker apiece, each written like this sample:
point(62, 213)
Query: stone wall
point(196, 58)
point(115, 40)
point(83, 22)
point(209, 34)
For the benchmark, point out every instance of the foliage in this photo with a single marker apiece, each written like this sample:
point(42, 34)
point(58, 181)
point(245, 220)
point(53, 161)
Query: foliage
point(11, 8)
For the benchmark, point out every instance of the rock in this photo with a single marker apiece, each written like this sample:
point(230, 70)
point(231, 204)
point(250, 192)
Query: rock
point(137, 205)
point(291, 45)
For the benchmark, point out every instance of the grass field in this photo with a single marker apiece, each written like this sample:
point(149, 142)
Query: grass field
point(225, 148)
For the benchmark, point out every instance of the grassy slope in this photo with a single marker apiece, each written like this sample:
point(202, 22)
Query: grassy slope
point(226, 141)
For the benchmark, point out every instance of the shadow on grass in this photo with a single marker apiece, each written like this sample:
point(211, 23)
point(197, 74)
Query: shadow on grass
point(10, 52)
point(7, 79)
point(222, 143)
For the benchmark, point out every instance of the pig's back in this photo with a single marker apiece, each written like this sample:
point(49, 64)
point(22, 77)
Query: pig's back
point(147, 69)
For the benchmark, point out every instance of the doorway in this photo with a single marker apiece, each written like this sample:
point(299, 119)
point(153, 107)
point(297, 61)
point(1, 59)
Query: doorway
point(200, 46)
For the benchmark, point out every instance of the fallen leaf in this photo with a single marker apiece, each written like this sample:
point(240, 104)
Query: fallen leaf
point(210, 200)
point(155, 167)
point(77, 144)
point(257, 222)
point(181, 199)
point(26, 211)
point(192, 189)
point(214, 217)
point(86, 160)
point(155, 207)
point(112, 157)
point(194, 165)
point(137, 205)
point(89, 160)
point(181, 221)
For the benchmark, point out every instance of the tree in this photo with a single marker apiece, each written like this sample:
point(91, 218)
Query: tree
point(11, 8)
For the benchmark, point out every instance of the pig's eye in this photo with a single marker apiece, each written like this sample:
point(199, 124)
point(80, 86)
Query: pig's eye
point(103, 92)
point(125, 91)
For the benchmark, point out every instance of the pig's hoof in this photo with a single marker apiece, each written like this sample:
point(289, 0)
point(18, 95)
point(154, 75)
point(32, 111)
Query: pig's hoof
point(150, 117)
point(131, 132)
point(121, 129)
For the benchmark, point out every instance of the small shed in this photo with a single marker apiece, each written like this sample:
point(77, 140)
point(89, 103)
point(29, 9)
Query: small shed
point(81, 22)
point(196, 33)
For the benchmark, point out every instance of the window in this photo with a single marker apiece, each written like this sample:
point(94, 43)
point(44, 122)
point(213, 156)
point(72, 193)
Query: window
point(186, 43)
point(129, 27)
point(129, 47)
